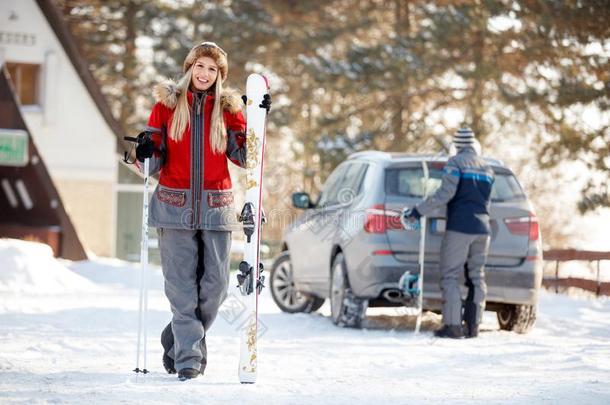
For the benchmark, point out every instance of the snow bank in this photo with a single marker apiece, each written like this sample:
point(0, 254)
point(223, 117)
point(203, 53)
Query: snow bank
point(116, 273)
point(30, 268)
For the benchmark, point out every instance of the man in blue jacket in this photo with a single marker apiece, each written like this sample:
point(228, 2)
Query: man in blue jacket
point(465, 189)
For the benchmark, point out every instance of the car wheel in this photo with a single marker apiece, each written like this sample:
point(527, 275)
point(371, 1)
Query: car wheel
point(284, 292)
point(345, 308)
point(517, 318)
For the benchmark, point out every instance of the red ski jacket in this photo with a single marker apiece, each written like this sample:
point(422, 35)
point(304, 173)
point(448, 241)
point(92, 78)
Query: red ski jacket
point(194, 190)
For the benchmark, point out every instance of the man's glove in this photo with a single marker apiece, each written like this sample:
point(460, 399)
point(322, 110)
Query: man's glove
point(409, 215)
point(412, 213)
point(145, 147)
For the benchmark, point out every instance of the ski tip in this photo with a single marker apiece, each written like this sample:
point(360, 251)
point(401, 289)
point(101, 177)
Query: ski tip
point(258, 78)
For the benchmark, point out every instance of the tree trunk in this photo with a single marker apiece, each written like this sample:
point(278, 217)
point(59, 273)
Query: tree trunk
point(401, 113)
point(130, 68)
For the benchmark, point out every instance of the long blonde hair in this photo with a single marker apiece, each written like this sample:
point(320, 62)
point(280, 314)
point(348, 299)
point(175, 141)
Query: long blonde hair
point(182, 115)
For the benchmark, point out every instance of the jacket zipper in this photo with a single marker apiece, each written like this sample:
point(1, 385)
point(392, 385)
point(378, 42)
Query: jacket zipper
point(197, 157)
point(202, 151)
point(193, 163)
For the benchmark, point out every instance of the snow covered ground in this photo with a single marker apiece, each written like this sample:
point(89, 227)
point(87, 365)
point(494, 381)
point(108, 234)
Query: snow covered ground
point(68, 335)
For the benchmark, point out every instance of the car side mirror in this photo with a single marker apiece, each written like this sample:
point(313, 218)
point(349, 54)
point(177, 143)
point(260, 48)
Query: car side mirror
point(301, 200)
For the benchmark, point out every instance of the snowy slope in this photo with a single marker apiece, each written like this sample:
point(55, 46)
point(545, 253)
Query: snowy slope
point(78, 346)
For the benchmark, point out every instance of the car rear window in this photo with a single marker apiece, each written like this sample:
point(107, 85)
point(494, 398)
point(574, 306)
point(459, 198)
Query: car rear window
point(506, 188)
point(409, 182)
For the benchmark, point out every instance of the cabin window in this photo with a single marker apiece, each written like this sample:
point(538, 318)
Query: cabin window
point(26, 80)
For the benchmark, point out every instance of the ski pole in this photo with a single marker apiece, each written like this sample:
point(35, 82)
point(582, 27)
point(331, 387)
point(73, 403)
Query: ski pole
point(422, 253)
point(143, 301)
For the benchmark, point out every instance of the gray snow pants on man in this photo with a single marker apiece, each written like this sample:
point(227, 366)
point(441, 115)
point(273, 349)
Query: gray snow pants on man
point(459, 249)
point(194, 307)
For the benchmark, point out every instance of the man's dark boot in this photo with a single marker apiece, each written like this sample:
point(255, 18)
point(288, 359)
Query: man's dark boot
point(167, 341)
point(187, 374)
point(471, 327)
point(450, 331)
point(471, 331)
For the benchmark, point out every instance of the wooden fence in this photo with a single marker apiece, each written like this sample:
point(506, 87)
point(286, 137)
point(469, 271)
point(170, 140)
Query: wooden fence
point(563, 255)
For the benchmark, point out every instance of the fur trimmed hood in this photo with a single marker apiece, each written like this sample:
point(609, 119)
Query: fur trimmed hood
point(167, 93)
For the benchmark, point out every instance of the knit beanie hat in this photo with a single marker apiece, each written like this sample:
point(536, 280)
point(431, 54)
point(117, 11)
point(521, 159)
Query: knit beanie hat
point(211, 50)
point(463, 137)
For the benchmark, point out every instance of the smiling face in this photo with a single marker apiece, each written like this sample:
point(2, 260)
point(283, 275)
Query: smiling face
point(205, 72)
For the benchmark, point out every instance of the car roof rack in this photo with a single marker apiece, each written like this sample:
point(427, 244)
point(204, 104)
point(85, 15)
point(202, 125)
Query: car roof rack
point(406, 157)
point(371, 154)
point(418, 156)
point(494, 161)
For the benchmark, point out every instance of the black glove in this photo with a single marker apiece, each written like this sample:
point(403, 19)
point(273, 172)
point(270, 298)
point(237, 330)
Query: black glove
point(145, 147)
point(409, 217)
point(413, 213)
point(266, 104)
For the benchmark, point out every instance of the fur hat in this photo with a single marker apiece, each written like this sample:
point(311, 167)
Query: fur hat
point(211, 50)
point(463, 137)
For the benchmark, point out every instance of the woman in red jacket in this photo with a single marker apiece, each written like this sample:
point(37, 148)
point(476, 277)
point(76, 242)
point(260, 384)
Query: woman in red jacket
point(197, 127)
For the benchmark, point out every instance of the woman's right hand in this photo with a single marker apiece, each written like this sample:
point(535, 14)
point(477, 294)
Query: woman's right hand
point(145, 147)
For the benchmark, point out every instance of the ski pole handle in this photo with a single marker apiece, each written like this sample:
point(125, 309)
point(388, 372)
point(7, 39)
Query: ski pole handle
point(131, 139)
point(140, 138)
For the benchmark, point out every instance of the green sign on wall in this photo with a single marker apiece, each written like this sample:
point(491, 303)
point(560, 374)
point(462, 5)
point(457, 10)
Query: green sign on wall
point(13, 147)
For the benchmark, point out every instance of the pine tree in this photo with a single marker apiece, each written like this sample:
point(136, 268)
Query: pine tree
point(107, 34)
point(382, 74)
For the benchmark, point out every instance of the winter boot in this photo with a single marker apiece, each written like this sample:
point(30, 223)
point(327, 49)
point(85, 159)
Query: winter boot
point(471, 326)
point(471, 331)
point(167, 341)
point(450, 331)
point(187, 374)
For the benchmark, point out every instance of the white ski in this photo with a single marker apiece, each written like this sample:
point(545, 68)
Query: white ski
point(422, 252)
point(412, 285)
point(249, 277)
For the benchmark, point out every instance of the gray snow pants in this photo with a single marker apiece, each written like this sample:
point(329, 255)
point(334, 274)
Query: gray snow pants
point(194, 308)
point(457, 250)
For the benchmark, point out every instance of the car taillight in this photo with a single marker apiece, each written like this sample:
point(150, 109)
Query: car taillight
point(524, 226)
point(382, 252)
point(534, 227)
point(379, 220)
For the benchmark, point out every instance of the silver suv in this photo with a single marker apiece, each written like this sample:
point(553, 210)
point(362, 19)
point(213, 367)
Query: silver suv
point(350, 245)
